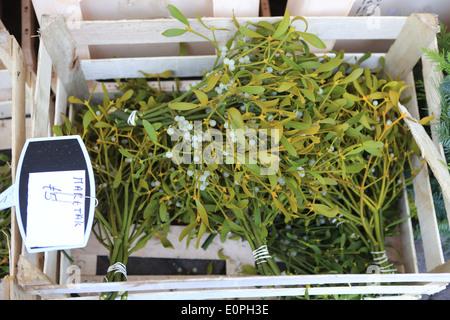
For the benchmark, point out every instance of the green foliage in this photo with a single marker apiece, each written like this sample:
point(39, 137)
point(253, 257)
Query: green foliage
point(5, 218)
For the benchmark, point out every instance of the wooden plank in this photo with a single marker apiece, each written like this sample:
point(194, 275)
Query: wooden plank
point(425, 207)
point(432, 79)
point(406, 228)
point(62, 50)
point(40, 116)
point(6, 133)
point(417, 33)
point(6, 109)
point(189, 66)
point(6, 54)
point(149, 31)
point(226, 8)
point(70, 9)
point(239, 252)
point(416, 291)
point(238, 282)
point(409, 254)
point(27, 39)
point(60, 103)
point(28, 274)
point(264, 8)
point(18, 75)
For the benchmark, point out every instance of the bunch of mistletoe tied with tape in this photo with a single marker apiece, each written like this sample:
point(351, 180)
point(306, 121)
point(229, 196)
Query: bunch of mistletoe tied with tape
point(131, 173)
point(373, 176)
point(323, 129)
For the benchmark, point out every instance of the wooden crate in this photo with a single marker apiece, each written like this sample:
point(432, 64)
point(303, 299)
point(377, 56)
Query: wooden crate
point(58, 47)
point(6, 90)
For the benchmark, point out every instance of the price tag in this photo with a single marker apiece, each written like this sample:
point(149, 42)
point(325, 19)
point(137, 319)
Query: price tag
point(53, 194)
point(56, 208)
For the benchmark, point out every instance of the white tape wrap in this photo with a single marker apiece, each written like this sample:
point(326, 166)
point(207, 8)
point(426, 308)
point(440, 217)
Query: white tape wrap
point(132, 118)
point(261, 254)
point(118, 267)
point(380, 257)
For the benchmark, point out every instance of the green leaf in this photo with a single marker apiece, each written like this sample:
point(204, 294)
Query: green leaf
point(325, 210)
point(212, 81)
point(236, 119)
point(351, 97)
point(102, 124)
point(373, 147)
point(125, 153)
point(250, 270)
point(201, 232)
point(286, 86)
point(202, 212)
point(234, 226)
point(266, 25)
point(117, 179)
point(288, 146)
point(150, 130)
point(75, 100)
point(201, 96)
point(355, 151)
point(424, 121)
point(352, 76)
point(222, 256)
point(182, 106)
point(297, 125)
point(280, 206)
point(87, 119)
point(250, 33)
point(313, 40)
point(141, 243)
point(354, 168)
point(329, 66)
point(187, 230)
point(224, 232)
point(163, 211)
point(302, 19)
point(309, 64)
point(273, 181)
point(255, 168)
point(164, 241)
point(252, 89)
point(394, 96)
point(290, 63)
point(283, 26)
point(174, 32)
point(57, 131)
point(177, 14)
point(127, 95)
point(201, 21)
